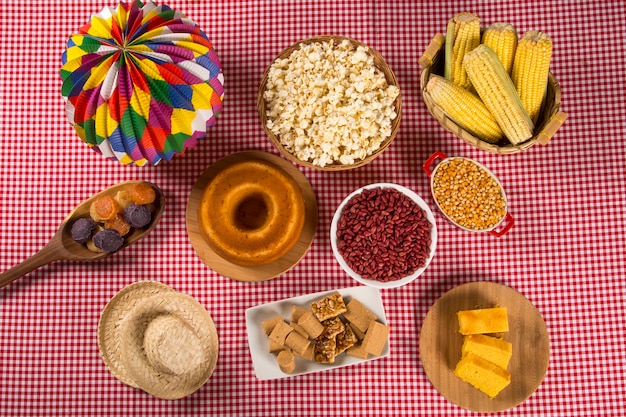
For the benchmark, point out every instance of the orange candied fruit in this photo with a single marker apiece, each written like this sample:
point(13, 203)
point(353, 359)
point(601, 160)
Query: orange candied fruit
point(118, 223)
point(105, 207)
point(142, 193)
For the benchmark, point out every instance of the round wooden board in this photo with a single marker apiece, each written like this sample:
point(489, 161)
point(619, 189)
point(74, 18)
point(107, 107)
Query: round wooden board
point(440, 345)
point(260, 272)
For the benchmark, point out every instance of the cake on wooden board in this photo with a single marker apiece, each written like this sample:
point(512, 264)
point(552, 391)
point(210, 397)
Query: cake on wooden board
point(495, 350)
point(482, 374)
point(482, 321)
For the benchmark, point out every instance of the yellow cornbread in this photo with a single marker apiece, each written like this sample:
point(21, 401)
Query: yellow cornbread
point(482, 374)
point(495, 350)
point(485, 320)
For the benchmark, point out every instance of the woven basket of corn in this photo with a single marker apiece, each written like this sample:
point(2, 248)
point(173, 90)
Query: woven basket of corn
point(471, 118)
point(317, 116)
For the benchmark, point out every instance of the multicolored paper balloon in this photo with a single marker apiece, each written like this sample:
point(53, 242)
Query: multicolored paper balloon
point(142, 83)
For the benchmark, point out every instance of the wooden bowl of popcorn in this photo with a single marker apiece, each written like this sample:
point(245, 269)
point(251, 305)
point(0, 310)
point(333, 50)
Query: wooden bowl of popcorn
point(330, 103)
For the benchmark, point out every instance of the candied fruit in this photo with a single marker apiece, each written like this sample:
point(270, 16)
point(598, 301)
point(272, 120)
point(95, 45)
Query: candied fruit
point(118, 223)
point(142, 193)
point(105, 208)
point(82, 229)
point(113, 217)
point(108, 240)
point(137, 216)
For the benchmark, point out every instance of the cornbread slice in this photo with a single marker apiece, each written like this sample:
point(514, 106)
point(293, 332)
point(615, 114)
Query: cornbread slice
point(495, 350)
point(328, 307)
point(345, 340)
point(485, 320)
point(375, 338)
point(482, 374)
point(357, 314)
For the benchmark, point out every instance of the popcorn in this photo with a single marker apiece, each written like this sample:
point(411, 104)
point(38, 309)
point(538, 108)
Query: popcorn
point(328, 103)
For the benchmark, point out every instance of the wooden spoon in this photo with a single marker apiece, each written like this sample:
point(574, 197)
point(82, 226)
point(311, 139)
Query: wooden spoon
point(63, 246)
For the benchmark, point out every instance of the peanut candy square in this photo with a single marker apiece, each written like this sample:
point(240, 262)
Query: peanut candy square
point(311, 324)
point(357, 351)
point(359, 334)
point(332, 327)
point(297, 312)
point(345, 340)
point(375, 338)
point(280, 332)
point(299, 329)
point(357, 314)
point(297, 342)
point(308, 354)
point(269, 324)
point(328, 307)
point(276, 347)
point(324, 349)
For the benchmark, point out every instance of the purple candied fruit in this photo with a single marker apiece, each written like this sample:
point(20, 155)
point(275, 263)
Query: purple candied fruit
point(82, 229)
point(108, 240)
point(137, 215)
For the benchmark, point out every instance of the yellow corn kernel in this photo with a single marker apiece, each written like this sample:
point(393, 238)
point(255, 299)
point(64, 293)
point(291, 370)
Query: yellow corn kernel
point(531, 68)
point(496, 90)
point(464, 108)
point(501, 37)
point(463, 35)
point(468, 195)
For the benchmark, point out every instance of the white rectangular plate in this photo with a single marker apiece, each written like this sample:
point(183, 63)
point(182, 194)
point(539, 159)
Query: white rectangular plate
point(264, 362)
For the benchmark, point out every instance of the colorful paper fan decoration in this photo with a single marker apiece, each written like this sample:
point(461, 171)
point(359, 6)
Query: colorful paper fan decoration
point(141, 82)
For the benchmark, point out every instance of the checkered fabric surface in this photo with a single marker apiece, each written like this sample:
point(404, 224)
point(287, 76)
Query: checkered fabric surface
point(565, 252)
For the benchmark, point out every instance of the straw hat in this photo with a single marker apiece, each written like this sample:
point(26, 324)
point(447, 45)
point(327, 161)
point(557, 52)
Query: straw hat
point(111, 321)
point(159, 340)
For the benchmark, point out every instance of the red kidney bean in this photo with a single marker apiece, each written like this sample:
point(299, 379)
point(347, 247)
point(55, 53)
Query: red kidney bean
point(383, 235)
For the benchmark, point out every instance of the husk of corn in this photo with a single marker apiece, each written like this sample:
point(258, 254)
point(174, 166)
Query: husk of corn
point(462, 35)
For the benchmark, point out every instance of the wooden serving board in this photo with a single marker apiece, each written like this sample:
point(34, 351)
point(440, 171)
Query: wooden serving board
point(440, 345)
point(260, 272)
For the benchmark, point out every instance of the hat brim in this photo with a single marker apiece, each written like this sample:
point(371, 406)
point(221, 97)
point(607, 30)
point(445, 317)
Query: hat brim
point(111, 319)
point(191, 319)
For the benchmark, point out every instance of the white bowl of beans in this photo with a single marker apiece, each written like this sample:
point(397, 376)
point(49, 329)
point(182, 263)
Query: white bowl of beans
point(468, 194)
point(383, 235)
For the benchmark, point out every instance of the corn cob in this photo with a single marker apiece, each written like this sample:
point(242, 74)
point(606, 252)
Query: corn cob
point(463, 35)
point(464, 108)
point(530, 70)
point(501, 37)
point(495, 88)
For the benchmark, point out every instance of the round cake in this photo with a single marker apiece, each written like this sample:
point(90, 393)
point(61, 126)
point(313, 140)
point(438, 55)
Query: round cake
point(251, 213)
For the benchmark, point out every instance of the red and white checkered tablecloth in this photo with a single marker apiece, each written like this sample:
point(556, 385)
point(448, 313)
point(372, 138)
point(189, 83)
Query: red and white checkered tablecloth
point(565, 254)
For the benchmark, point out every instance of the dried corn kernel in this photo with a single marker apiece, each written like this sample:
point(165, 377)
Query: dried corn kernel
point(468, 195)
